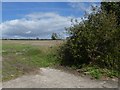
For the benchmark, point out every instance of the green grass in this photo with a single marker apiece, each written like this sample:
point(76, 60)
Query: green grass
point(20, 59)
point(98, 72)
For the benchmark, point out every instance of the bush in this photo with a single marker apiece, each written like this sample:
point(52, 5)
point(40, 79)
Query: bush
point(94, 41)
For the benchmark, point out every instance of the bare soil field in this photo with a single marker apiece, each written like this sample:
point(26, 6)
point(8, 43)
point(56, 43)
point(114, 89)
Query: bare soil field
point(34, 42)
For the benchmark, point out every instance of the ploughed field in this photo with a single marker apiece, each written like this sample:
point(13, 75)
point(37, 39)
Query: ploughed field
point(21, 57)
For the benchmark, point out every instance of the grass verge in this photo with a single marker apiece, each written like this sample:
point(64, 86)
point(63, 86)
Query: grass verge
point(21, 59)
point(97, 72)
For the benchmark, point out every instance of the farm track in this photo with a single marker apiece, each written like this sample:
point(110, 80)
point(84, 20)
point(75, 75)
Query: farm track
point(53, 78)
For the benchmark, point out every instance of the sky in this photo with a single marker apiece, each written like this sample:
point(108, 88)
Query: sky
point(40, 19)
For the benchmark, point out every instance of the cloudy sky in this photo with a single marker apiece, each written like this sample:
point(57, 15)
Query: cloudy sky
point(40, 19)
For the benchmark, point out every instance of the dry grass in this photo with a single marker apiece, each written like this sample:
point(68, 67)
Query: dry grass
point(34, 42)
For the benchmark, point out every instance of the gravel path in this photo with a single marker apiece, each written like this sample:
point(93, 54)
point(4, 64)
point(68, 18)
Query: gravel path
point(53, 78)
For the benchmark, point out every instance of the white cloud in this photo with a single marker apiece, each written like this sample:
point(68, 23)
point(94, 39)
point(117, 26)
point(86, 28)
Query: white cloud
point(83, 6)
point(36, 25)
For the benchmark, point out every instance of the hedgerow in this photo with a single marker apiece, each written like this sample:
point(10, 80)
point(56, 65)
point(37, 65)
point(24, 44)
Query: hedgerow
point(93, 41)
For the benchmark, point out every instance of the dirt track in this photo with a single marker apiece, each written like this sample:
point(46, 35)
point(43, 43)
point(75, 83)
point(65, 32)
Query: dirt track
point(53, 78)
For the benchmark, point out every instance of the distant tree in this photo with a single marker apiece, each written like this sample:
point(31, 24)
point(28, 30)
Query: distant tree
point(37, 38)
point(54, 36)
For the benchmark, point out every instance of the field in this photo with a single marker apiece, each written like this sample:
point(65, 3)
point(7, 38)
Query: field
point(20, 57)
point(23, 57)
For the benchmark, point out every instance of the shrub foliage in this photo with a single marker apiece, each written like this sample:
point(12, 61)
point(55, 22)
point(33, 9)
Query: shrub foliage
point(94, 41)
